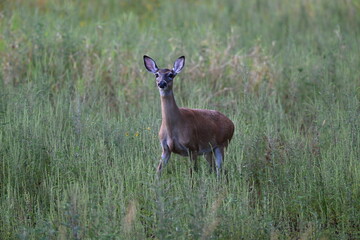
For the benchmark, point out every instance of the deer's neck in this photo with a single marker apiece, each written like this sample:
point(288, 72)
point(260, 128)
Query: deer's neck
point(169, 110)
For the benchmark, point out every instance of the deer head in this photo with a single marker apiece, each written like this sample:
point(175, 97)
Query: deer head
point(164, 77)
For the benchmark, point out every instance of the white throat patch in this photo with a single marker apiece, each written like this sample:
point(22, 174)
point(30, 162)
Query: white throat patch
point(165, 93)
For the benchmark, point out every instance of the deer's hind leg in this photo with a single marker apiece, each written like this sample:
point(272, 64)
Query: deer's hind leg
point(219, 159)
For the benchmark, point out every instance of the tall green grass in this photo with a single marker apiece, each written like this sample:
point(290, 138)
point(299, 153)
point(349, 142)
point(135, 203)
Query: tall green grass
point(79, 117)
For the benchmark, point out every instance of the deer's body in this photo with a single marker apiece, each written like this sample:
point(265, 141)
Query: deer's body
point(185, 131)
point(180, 123)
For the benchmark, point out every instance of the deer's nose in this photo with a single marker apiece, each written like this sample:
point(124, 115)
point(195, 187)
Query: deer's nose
point(162, 84)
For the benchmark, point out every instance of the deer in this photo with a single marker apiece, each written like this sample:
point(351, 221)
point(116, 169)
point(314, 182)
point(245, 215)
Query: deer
point(185, 131)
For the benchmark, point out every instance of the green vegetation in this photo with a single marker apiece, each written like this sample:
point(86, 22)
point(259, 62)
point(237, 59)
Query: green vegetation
point(79, 116)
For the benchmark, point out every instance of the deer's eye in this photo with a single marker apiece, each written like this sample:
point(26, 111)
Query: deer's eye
point(156, 75)
point(171, 75)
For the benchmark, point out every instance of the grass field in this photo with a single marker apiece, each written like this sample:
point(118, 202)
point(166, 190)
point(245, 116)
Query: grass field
point(79, 116)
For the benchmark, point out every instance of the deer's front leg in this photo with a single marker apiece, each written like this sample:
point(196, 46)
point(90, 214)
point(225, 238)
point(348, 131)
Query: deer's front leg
point(165, 156)
point(210, 159)
point(193, 158)
point(193, 161)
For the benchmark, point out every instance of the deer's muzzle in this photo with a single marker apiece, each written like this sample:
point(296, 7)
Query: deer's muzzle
point(162, 84)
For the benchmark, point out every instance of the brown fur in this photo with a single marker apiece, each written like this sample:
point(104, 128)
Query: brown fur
point(196, 130)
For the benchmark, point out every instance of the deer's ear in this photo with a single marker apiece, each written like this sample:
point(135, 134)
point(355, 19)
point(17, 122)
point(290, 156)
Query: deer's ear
point(150, 64)
point(179, 64)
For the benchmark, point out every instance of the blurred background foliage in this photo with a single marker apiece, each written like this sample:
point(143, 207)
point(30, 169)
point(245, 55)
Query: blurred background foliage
point(79, 116)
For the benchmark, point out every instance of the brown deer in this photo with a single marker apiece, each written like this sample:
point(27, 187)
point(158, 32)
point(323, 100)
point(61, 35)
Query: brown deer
point(185, 131)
